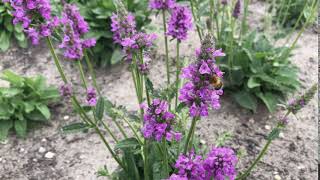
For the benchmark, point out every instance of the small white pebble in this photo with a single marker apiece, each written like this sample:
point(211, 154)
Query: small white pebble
point(34, 160)
point(21, 150)
point(49, 155)
point(281, 135)
point(82, 156)
point(267, 127)
point(66, 117)
point(44, 140)
point(0, 159)
point(301, 167)
point(42, 150)
point(269, 116)
point(277, 177)
point(89, 77)
point(251, 120)
point(202, 141)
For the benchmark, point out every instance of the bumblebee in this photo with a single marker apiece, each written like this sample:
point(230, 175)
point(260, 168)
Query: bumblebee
point(216, 82)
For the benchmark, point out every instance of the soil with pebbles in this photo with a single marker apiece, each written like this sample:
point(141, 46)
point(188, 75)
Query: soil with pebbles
point(47, 153)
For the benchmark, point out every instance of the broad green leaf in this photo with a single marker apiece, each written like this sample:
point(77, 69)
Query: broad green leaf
point(4, 40)
point(36, 115)
point(44, 110)
point(269, 100)
point(5, 126)
point(9, 92)
point(21, 127)
point(6, 111)
point(28, 106)
point(100, 108)
point(116, 56)
point(246, 100)
point(13, 78)
point(274, 134)
point(253, 82)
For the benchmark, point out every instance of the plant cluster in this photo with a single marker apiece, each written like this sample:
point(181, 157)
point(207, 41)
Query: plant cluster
point(8, 30)
point(159, 144)
point(256, 70)
point(293, 13)
point(24, 103)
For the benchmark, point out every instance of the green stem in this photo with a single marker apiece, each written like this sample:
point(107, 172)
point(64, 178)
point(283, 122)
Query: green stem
point(166, 46)
point(56, 60)
point(230, 57)
point(261, 154)
point(193, 125)
point(286, 13)
point(133, 130)
point(109, 148)
point(93, 75)
point(147, 93)
point(110, 132)
point(302, 30)
point(165, 158)
point(243, 29)
point(177, 74)
point(196, 20)
point(83, 79)
point(146, 166)
point(120, 127)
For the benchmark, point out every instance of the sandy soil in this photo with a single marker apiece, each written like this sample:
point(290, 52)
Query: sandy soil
point(78, 156)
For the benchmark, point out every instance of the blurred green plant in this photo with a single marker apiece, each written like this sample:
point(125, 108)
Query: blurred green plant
point(256, 69)
point(24, 103)
point(292, 13)
point(98, 13)
point(8, 31)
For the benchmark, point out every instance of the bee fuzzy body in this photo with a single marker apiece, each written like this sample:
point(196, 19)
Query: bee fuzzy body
point(216, 82)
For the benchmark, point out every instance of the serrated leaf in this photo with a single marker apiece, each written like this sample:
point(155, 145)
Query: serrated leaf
point(44, 110)
point(246, 100)
point(100, 108)
point(5, 126)
point(20, 127)
point(75, 127)
point(253, 82)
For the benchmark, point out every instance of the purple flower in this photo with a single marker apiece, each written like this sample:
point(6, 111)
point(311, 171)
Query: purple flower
point(122, 26)
point(198, 93)
point(224, 2)
point(74, 28)
point(162, 4)
point(177, 177)
point(91, 96)
point(236, 10)
point(35, 17)
point(158, 122)
point(294, 105)
point(189, 167)
point(180, 22)
point(65, 90)
point(221, 164)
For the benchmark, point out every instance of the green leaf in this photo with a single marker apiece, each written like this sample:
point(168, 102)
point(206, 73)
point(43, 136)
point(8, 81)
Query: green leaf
point(9, 92)
point(149, 85)
point(6, 111)
point(116, 56)
point(246, 100)
point(12, 78)
point(4, 40)
point(274, 134)
point(5, 126)
point(127, 144)
point(44, 110)
point(21, 127)
point(75, 127)
point(100, 108)
point(253, 82)
point(269, 100)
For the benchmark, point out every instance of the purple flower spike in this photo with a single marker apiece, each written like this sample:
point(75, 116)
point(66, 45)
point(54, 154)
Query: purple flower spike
point(220, 164)
point(180, 22)
point(236, 10)
point(189, 167)
point(162, 4)
point(198, 93)
point(91, 96)
point(66, 90)
point(158, 122)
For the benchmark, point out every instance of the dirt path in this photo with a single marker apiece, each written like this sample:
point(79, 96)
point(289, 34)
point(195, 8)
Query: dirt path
point(79, 156)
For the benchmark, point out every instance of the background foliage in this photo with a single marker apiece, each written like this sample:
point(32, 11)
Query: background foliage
point(8, 31)
point(24, 103)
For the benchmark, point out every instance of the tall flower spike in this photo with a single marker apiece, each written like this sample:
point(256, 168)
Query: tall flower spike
point(35, 17)
point(158, 122)
point(74, 28)
point(220, 164)
point(236, 10)
point(199, 93)
point(91, 96)
point(295, 105)
point(189, 167)
point(162, 4)
point(180, 22)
